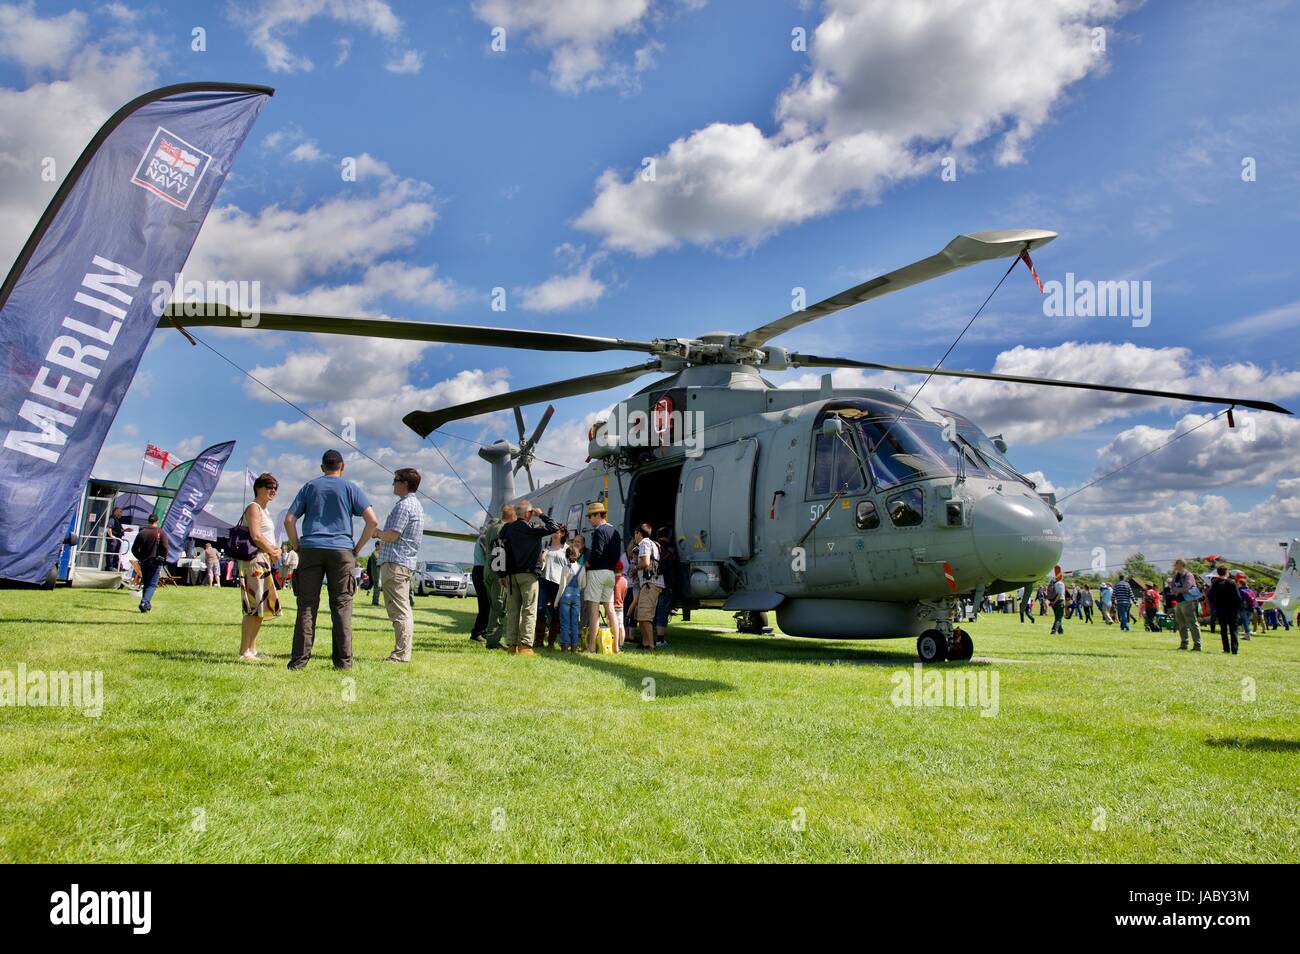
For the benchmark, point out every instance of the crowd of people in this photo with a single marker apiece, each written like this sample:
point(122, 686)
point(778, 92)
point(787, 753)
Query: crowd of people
point(537, 588)
point(1221, 598)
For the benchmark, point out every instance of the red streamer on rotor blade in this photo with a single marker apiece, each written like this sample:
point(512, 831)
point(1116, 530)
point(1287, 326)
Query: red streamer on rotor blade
point(1024, 257)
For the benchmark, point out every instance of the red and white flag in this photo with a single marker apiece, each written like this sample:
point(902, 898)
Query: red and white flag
point(948, 575)
point(162, 458)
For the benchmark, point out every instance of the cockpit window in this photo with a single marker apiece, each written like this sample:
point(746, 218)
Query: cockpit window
point(907, 449)
point(972, 436)
point(835, 466)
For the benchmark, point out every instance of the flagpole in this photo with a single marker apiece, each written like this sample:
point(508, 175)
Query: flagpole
point(142, 460)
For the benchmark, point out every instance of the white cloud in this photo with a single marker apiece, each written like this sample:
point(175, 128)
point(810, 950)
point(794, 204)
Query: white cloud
point(56, 119)
point(1188, 525)
point(271, 23)
point(1202, 454)
point(893, 88)
point(576, 289)
point(121, 12)
point(283, 247)
point(580, 36)
point(367, 385)
point(416, 284)
point(306, 152)
point(39, 43)
point(409, 61)
point(1032, 413)
point(1280, 318)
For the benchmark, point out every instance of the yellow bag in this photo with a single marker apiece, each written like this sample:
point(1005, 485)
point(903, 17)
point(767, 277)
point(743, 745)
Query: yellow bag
point(604, 636)
point(604, 641)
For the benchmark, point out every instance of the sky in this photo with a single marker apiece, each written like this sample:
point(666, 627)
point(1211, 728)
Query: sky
point(502, 144)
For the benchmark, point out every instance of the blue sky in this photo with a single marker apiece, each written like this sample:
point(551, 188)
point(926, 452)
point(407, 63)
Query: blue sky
point(777, 168)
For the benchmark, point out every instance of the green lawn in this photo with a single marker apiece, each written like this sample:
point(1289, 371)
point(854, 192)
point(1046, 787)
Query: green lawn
point(472, 755)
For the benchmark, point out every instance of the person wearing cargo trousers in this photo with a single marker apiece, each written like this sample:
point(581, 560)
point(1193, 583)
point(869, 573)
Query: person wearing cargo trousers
point(1188, 594)
point(523, 551)
point(326, 506)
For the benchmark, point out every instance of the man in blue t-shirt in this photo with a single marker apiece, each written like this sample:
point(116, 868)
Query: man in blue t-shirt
point(326, 552)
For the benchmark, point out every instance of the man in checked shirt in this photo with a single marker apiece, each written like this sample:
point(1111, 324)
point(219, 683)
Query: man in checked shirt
point(399, 548)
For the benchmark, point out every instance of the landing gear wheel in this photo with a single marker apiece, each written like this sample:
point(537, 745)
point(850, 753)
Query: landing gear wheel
point(963, 647)
point(931, 646)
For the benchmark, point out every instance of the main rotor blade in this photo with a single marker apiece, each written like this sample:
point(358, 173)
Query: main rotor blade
point(813, 361)
point(451, 535)
point(962, 251)
point(221, 317)
point(519, 423)
point(425, 422)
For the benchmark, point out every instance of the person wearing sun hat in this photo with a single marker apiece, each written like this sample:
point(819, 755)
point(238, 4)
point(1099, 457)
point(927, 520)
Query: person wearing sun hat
point(602, 559)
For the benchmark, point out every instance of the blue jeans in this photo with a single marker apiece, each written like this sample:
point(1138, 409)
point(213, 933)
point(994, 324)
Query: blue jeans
point(149, 572)
point(570, 610)
point(1122, 609)
point(663, 608)
point(1244, 621)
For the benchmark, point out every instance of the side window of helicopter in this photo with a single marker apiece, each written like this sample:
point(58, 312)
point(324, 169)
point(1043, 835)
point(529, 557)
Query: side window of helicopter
point(908, 508)
point(866, 516)
point(574, 521)
point(835, 467)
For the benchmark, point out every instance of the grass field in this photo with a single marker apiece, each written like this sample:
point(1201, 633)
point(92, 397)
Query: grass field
point(1105, 747)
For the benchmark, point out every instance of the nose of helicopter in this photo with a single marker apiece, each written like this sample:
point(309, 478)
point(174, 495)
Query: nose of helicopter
point(1017, 538)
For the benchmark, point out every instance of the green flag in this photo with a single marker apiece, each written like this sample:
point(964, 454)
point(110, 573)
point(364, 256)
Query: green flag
point(171, 481)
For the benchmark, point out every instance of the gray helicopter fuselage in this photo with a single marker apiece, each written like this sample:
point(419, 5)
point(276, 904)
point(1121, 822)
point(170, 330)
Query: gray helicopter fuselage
point(767, 513)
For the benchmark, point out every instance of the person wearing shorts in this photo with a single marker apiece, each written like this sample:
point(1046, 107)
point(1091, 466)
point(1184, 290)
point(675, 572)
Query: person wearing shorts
point(257, 585)
point(650, 584)
point(602, 557)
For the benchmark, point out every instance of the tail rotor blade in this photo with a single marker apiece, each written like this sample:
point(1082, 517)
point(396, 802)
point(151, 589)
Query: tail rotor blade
point(541, 426)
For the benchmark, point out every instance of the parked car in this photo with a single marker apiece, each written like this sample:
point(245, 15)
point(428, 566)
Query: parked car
point(445, 578)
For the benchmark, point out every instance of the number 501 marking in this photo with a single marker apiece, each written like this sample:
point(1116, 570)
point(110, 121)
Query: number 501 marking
point(815, 511)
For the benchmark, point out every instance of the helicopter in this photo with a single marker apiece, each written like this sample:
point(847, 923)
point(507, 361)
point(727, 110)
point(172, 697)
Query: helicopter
point(851, 513)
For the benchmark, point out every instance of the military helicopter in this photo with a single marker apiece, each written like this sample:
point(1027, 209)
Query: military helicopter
point(853, 514)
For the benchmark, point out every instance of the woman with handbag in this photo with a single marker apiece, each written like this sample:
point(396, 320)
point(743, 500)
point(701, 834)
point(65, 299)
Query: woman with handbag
point(252, 542)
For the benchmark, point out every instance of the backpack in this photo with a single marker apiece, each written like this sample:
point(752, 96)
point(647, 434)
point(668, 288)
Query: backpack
point(668, 564)
point(656, 558)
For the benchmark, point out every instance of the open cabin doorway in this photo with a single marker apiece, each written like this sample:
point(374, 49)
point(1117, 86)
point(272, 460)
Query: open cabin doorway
point(652, 499)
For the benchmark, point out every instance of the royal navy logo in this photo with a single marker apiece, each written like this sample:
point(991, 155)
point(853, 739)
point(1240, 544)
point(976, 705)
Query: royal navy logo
point(171, 168)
